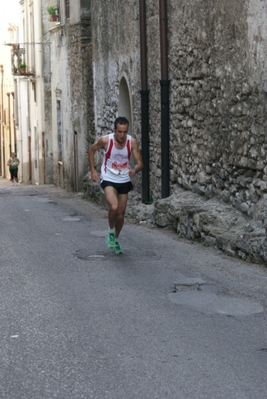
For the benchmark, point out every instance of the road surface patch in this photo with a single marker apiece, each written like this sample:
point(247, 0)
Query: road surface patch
point(209, 298)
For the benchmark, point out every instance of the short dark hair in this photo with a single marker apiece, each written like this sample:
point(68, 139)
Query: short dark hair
point(121, 120)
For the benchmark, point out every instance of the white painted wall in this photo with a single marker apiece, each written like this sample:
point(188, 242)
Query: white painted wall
point(8, 24)
point(75, 12)
point(22, 135)
point(32, 97)
point(257, 39)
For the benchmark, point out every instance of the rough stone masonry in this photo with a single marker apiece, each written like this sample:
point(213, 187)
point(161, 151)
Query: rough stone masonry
point(218, 105)
point(209, 221)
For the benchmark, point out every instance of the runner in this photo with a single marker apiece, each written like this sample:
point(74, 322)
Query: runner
point(116, 174)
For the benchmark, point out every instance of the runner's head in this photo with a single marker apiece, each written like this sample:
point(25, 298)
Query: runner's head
point(121, 120)
point(121, 129)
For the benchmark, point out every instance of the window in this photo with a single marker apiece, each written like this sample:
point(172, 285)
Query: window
point(59, 131)
point(67, 9)
point(16, 107)
point(34, 90)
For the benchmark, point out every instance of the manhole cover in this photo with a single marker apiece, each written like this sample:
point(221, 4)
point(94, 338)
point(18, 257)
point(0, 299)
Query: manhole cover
point(98, 255)
point(87, 255)
point(71, 219)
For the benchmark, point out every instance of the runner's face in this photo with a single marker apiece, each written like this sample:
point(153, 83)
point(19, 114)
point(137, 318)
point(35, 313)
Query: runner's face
point(121, 133)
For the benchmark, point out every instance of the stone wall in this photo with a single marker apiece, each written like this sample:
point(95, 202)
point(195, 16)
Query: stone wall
point(116, 50)
point(81, 96)
point(217, 69)
point(218, 103)
point(60, 89)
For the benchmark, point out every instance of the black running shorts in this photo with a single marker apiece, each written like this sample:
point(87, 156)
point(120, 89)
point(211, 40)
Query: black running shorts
point(122, 188)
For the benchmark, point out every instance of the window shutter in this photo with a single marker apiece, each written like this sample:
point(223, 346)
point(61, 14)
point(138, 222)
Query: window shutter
point(67, 8)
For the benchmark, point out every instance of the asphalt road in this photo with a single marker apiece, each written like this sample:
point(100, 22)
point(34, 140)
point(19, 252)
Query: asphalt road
point(166, 319)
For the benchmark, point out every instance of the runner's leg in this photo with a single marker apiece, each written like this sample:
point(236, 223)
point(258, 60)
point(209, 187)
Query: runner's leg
point(112, 200)
point(122, 203)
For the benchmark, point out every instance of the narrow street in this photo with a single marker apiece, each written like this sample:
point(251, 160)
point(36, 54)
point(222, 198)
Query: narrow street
point(167, 319)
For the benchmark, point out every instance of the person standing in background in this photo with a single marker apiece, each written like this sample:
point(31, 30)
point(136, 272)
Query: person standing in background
point(13, 164)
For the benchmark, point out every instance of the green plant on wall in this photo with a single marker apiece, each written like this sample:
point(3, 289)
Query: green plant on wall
point(52, 10)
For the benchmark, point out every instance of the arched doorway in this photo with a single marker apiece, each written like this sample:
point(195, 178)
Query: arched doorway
point(125, 107)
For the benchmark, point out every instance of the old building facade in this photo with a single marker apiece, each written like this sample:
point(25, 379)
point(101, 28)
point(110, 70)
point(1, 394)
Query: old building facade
point(85, 68)
point(190, 77)
point(8, 136)
point(217, 54)
point(26, 67)
point(72, 106)
point(53, 94)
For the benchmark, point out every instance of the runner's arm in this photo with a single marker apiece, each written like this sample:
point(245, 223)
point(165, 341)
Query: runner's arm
point(100, 144)
point(137, 157)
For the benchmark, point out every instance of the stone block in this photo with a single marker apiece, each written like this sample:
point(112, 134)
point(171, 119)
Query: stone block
point(213, 223)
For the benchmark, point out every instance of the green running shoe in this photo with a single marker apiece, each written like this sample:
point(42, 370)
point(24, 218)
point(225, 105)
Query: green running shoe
point(111, 239)
point(117, 248)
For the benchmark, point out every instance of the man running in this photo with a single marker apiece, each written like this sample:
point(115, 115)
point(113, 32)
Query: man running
point(116, 174)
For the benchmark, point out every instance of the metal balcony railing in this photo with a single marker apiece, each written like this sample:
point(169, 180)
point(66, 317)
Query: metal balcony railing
point(18, 64)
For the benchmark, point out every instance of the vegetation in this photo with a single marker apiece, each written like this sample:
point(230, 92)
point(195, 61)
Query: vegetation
point(22, 65)
point(52, 10)
point(92, 196)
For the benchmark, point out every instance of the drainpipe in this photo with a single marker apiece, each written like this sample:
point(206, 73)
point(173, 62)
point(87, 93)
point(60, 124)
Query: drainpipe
point(144, 102)
point(2, 144)
point(9, 123)
point(76, 164)
point(1, 121)
point(165, 117)
point(13, 123)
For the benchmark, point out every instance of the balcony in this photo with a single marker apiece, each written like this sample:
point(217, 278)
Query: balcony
point(18, 65)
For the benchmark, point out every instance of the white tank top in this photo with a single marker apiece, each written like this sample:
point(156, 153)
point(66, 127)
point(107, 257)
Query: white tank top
point(115, 166)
